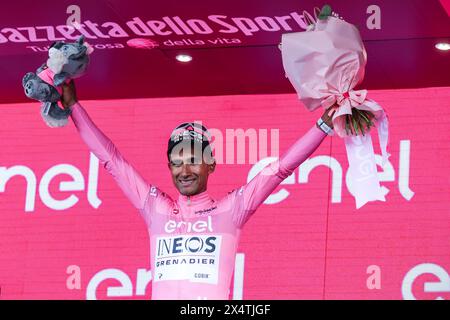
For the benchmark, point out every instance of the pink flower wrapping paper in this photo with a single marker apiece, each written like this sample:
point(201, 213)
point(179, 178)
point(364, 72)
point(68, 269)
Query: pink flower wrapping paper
point(324, 65)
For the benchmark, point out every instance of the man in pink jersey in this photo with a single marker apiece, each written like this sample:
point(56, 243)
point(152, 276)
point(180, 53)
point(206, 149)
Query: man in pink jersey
point(193, 239)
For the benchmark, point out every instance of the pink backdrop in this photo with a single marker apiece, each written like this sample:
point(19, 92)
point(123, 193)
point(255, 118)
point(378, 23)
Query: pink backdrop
point(313, 244)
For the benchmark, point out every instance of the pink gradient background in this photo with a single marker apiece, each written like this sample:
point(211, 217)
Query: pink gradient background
point(305, 247)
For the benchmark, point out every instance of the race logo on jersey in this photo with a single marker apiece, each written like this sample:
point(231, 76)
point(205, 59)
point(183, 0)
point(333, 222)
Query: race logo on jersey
point(186, 257)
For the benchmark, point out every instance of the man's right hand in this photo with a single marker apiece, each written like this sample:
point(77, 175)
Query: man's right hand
point(69, 94)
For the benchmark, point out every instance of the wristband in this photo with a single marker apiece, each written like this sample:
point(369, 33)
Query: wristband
point(324, 127)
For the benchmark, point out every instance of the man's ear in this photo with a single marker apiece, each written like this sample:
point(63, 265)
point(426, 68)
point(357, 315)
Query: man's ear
point(212, 167)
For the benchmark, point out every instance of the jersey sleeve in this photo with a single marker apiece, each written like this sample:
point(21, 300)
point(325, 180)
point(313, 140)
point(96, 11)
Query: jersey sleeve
point(250, 196)
point(129, 180)
point(158, 203)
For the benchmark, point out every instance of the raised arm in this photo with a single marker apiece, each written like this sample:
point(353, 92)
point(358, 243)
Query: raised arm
point(129, 180)
point(250, 196)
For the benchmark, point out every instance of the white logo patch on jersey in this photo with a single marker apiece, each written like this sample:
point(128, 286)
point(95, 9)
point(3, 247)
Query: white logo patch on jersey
point(187, 257)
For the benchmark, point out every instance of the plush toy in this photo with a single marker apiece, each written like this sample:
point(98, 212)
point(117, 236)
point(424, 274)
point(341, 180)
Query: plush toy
point(66, 61)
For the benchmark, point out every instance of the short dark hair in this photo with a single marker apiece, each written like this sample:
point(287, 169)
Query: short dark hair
point(190, 134)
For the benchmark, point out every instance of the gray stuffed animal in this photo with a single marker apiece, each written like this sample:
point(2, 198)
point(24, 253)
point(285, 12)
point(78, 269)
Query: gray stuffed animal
point(38, 89)
point(66, 61)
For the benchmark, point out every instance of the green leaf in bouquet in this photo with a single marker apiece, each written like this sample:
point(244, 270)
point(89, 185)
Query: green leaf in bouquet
point(347, 124)
point(363, 115)
point(368, 117)
point(363, 119)
point(355, 125)
point(325, 12)
point(358, 122)
point(361, 126)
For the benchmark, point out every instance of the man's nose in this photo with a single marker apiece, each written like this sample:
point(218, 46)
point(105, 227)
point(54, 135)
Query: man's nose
point(186, 169)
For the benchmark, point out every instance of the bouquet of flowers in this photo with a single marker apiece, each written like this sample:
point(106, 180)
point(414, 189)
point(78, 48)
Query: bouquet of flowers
point(324, 64)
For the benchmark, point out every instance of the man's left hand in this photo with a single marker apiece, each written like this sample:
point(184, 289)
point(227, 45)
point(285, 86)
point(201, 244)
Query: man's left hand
point(328, 116)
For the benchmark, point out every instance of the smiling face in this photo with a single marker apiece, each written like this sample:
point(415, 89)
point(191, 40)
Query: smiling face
point(190, 171)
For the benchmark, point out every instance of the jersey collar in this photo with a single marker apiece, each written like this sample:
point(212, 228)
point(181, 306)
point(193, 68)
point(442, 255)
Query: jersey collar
point(199, 200)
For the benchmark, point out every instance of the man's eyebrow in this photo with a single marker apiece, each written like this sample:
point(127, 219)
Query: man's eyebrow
point(188, 159)
point(195, 159)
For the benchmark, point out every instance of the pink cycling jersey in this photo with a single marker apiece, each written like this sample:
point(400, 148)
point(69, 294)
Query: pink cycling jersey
point(193, 240)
